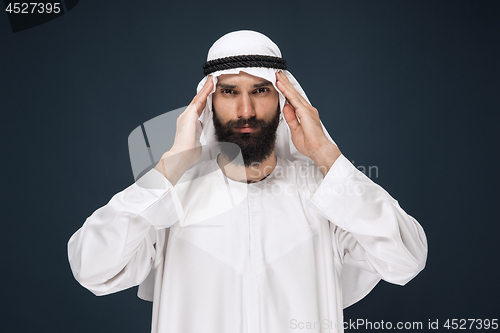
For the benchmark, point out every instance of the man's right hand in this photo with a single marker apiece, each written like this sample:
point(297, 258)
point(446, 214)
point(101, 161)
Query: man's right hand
point(186, 149)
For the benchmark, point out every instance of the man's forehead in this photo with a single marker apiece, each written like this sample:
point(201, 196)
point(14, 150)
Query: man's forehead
point(242, 79)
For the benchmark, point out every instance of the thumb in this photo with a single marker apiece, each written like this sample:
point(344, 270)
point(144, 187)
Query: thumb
point(199, 129)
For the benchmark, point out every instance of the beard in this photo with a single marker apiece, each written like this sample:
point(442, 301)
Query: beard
point(256, 146)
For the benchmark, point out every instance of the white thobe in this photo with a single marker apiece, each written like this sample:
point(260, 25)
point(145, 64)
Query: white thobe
point(290, 253)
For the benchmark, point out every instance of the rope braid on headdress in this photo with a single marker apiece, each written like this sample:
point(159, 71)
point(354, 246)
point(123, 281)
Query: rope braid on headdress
point(243, 61)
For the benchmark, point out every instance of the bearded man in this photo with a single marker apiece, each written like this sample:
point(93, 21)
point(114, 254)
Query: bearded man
point(289, 233)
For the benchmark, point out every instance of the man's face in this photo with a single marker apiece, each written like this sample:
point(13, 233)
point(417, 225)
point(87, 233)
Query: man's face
point(246, 113)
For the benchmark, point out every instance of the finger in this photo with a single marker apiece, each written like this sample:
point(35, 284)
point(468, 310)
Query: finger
point(291, 117)
point(207, 87)
point(291, 94)
point(303, 109)
point(202, 90)
point(200, 99)
point(289, 88)
point(297, 104)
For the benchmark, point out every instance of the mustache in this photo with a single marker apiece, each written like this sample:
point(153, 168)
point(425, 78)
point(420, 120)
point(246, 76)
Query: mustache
point(252, 122)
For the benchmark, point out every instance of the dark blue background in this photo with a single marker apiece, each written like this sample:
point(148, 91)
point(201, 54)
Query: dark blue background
point(411, 87)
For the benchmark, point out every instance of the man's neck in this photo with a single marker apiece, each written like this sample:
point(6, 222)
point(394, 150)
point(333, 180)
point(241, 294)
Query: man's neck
point(250, 174)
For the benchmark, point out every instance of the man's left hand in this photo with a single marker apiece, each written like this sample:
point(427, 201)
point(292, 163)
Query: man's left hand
point(307, 135)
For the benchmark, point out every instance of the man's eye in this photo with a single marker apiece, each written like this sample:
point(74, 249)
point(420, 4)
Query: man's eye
point(262, 90)
point(227, 91)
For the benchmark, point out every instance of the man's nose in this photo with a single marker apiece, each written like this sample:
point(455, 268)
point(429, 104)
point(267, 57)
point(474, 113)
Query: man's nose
point(246, 108)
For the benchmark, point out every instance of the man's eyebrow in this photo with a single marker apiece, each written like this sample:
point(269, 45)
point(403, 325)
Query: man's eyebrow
point(262, 84)
point(233, 86)
point(226, 86)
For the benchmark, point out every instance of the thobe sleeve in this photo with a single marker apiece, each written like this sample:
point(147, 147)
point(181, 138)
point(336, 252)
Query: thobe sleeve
point(370, 231)
point(121, 242)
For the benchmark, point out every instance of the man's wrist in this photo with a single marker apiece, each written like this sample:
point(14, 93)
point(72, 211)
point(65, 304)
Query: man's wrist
point(326, 156)
point(173, 165)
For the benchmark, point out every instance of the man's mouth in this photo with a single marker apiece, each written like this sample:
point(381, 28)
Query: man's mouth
point(245, 129)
